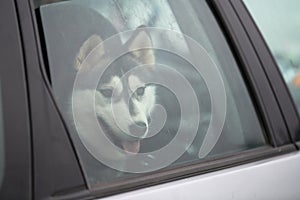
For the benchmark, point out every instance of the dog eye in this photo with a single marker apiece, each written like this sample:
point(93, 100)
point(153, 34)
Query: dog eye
point(140, 91)
point(106, 92)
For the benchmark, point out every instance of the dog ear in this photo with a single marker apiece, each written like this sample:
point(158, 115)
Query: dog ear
point(140, 46)
point(91, 43)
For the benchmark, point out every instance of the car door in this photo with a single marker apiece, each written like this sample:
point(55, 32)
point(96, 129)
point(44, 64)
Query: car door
point(255, 140)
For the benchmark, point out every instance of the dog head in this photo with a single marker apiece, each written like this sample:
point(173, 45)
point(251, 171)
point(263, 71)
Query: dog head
point(123, 100)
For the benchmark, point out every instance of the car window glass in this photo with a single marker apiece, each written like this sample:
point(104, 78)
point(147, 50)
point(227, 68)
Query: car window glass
point(279, 22)
point(146, 85)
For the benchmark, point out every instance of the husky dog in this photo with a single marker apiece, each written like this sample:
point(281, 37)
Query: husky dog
point(133, 115)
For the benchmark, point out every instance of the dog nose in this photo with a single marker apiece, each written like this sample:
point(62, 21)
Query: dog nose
point(138, 129)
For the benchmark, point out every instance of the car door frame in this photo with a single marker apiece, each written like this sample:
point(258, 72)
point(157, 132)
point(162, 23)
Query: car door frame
point(41, 97)
point(279, 87)
point(16, 182)
point(56, 171)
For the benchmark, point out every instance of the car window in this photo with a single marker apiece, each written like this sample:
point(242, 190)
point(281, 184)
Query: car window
point(280, 26)
point(146, 85)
